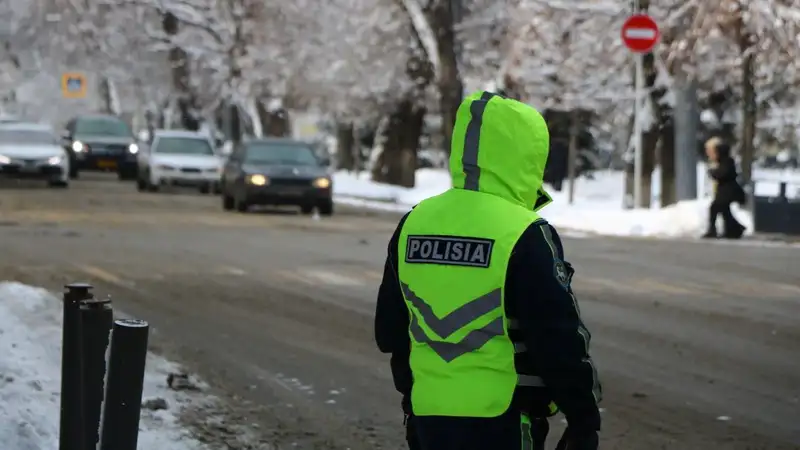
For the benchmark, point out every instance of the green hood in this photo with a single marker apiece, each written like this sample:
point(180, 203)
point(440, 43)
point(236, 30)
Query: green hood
point(500, 147)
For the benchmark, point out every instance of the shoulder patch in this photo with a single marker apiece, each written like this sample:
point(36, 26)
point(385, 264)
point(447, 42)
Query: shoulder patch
point(563, 273)
point(449, 250)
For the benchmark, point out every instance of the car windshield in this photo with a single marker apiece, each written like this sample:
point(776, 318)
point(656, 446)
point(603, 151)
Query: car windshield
point(269, 153)
point(102, 127)
point(27, 137)
point(183, 146)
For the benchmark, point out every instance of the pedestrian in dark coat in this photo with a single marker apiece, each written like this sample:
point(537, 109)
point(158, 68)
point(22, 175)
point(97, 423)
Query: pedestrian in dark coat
point(722, 170)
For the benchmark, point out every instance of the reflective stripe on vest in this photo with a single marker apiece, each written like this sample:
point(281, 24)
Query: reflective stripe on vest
point(458, 319)
point(472, 138)
point(455, 321)
point(520, 347)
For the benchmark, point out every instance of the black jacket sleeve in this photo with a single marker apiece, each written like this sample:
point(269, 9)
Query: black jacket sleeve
point(539, 295)
point(391, 318)
point(725, 170)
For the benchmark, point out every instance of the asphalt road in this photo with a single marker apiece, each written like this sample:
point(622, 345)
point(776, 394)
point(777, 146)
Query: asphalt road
point(698, 344)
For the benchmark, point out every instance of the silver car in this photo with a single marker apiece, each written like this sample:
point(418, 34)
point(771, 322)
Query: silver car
point(33, 151)
point(179, 158)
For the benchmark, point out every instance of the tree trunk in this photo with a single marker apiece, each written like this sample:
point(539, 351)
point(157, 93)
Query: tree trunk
point(442, 18)
point(666, 155)
point(11, 55)
point(273, 123)
point(236, 124)
point(263, 116)
point(451, 97)
point(379, 167)
point(161, 119)
point(364, 139)
point(181, 75)
point(667, 162)
point(398, 164)
point(345, 146)
point(572, 160)
point(279, 124)
point(749, 110)
point(511, 88)
point(105, 95)
point(649, 144)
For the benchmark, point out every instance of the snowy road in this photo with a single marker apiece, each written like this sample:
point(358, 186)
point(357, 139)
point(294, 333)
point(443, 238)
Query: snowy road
point(696, 342)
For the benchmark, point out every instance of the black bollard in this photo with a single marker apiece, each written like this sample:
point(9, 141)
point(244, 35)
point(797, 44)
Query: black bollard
point(126, 363)
point(71, 421)
point(96, 318)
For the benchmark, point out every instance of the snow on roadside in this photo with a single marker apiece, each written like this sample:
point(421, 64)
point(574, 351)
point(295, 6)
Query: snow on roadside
point(30, 373)
point(359, 190)
point(597, 207)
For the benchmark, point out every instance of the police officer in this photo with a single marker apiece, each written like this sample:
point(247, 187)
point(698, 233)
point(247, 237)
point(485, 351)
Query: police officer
point(476, 305)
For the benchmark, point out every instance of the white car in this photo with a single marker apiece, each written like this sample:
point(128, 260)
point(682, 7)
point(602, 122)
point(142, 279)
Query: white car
point(179, 158)
point(33, 151)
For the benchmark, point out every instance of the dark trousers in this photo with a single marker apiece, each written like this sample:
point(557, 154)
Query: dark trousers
point(509, 431)
point(732, 226)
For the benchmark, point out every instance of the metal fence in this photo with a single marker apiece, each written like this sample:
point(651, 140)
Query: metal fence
point(779, 214)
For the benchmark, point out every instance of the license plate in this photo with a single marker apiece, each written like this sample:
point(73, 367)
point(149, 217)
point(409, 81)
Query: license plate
point(30, 167)
point(106, 164)
point(292, 192)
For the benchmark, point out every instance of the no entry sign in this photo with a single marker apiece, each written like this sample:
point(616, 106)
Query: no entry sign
point(640, 33)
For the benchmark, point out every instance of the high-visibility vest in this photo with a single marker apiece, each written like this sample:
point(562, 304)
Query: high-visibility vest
point(454, 251)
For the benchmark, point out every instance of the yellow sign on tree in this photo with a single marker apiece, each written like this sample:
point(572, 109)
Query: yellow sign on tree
point(73, 85)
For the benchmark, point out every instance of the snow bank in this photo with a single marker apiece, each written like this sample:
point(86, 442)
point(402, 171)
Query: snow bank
point(30, 373)
point(598, 208)
point(358, 189)
point(598, 205)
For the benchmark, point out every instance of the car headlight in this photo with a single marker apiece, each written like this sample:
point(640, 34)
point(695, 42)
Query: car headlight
point(78, 146)
point(54, 161)
point(322, 183)
point(5, 159)
point(258, 180)
point(164, 167)
point(133, 149)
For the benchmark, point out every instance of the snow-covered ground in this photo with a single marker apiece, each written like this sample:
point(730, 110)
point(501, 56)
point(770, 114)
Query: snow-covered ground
point(30, 373)
point(598, 205)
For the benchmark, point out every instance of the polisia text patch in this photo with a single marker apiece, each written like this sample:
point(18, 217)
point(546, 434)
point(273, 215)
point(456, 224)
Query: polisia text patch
point(449, 250)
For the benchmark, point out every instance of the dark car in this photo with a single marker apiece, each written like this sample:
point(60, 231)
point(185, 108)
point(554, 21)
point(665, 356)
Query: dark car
point(101, 142)
point(276, 172)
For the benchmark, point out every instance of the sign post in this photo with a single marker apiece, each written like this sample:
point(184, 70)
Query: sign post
point(640, 34)
point(73, 85)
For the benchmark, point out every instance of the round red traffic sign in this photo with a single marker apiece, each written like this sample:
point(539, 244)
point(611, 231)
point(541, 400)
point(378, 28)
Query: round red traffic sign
point(640, 33)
